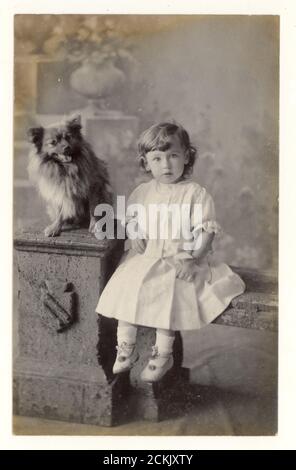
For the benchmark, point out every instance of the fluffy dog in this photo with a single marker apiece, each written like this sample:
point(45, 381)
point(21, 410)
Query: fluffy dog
point(68, 174)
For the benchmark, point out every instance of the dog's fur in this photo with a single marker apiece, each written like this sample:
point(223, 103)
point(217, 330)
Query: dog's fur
point(68, 174)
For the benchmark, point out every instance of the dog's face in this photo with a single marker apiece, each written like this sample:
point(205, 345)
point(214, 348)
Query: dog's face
point(60, 142)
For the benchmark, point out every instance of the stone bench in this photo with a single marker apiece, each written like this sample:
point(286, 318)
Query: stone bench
point(65, 353)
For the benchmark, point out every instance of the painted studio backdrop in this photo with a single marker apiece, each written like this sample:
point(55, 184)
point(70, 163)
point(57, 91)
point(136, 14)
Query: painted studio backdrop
point(217, 76)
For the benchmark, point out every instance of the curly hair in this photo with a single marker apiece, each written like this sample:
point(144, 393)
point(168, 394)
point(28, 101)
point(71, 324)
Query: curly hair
point(156, 138)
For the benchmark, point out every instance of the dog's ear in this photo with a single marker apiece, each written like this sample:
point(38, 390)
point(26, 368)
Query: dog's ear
point(74, 123)
point(35, 135)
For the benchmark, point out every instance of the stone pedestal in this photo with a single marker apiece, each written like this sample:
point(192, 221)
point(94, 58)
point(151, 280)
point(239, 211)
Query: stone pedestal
point(58, 373)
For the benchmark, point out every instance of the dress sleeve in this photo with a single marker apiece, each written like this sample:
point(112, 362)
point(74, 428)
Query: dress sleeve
point(203, 214)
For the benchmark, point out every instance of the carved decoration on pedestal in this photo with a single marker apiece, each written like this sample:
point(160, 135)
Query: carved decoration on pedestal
point(59, 305)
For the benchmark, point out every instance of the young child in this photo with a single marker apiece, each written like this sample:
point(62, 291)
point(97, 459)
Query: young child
point(165, 282)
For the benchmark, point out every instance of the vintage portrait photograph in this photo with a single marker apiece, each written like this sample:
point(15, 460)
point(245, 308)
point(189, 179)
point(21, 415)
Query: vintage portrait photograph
point(145, 224)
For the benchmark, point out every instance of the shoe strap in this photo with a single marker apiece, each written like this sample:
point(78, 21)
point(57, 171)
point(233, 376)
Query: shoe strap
point(125, 348)
point(159, 360)
point(155, 353)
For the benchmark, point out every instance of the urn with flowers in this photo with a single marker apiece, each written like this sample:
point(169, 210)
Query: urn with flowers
point(100, 53)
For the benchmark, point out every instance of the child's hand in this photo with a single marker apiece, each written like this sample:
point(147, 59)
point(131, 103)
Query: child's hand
point(186, 269)
point(138, 245)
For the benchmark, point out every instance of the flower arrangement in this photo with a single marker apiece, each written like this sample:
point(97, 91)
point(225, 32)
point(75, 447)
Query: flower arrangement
point(94, 38)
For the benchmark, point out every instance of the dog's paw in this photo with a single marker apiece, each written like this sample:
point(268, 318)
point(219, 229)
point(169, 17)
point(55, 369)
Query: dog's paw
point(51, 231)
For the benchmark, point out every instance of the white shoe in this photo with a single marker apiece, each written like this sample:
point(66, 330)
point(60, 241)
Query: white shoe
point(157, 367)
point(126, 357)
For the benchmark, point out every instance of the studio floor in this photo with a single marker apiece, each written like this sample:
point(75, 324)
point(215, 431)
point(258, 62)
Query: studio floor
point(235, 372)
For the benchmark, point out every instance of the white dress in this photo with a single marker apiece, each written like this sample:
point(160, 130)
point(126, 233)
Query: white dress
point(144, 289)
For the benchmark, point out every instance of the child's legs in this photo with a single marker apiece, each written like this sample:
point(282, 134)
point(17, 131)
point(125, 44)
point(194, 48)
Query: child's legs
point(126, 352)
point(161, 360)
point(164, 341)
point(161, 331)
point(126, 333)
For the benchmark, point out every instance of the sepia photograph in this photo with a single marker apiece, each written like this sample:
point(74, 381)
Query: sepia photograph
point(145, 224)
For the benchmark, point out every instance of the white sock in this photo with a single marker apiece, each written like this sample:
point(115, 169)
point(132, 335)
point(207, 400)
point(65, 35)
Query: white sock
point(126, 334)
point(164, 343)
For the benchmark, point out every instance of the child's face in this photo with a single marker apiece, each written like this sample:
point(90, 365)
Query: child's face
point(167, 166)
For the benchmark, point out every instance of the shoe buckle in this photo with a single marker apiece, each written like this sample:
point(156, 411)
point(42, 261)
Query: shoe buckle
point(121, 351)
point(154, 355)
point(154, 352)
